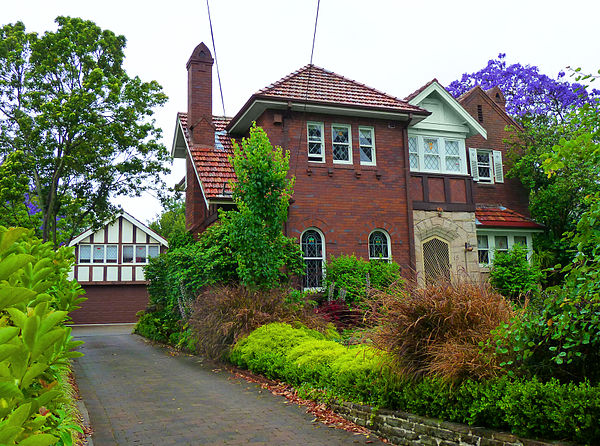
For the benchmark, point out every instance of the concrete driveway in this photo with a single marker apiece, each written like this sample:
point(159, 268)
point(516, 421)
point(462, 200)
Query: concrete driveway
point(137, 393)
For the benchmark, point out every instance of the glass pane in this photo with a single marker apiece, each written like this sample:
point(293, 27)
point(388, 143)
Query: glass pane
point(340, 153)
point(314, 148)
point(521, 239)
point(484, 172)
point(340, 134)
point(414, 161)
point(314, 132)
point(365, 137)
point(431, 145)
point(452, 148)
point(85, 252)
point(412, 144)
point(140, 254)
point(483, 158)
point(501, 242)
point(482, 242)
point(484, 256)
point(452, 164)
point(366, 155)
point(312, 245)
point(378, 246)
point(111, 254)
point(152, 251)
point(127, 254)
point(98, 253)
point(432, 162)
point(314, 274)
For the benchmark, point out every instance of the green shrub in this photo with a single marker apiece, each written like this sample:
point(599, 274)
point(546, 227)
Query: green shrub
point(513, 276)
point(350, 273)
point(35, 346)
point(530, 408)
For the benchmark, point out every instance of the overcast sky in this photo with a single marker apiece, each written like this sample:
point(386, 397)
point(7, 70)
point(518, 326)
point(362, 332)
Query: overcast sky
point(394, 46)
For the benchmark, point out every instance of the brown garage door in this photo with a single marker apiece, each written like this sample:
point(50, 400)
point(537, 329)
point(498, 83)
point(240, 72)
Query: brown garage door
point(110, 304)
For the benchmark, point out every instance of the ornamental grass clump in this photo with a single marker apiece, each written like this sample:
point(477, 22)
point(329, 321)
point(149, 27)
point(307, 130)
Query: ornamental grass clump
point(440, 330)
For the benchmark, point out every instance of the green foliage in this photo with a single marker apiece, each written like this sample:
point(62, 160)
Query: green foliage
point(306, 359)
point(171, 223)
point(513, 276)
point(350, 273)
point(81, 122)
point(264, 256)
point(35, 346)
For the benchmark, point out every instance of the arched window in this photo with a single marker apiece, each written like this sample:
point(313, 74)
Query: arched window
point(313, 251)
point(436, 259)
point(379, 245)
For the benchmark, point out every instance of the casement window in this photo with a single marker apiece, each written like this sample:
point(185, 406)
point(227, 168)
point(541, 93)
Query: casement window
point(341, 137)
point(437, 155)
point(97, 253)
point(379, 246)
point(316, 142)
point(490, 242)
point(313, 252)
point(486, 166)
point(139, 253)
point(366, 140)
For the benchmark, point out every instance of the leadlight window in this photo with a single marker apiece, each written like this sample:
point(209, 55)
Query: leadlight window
point(153, 251)
point(431, 154)
point(85, 253)
point(316, 142)
point(128, 254)
point(342, 144)
point(111, 253)
point(98, 253)
point(489, 244)
point(379, 246)
point(484, 166)
point(140, 254)
point(313, 253)
point(367, 145)
point(452, 156)
point(413, 153)
point(483, 249)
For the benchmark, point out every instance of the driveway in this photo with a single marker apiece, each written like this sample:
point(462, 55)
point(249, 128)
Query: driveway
point(137, 393)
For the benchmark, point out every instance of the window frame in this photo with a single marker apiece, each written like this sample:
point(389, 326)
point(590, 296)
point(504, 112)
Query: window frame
point(333, 143)
point(322, 258)
point(486, 180)
point(372, 146)
point(103, 260)
point(134, 256)
point(491, 235)
point(89, 259)
point(442, 153)
point(322, 141)
point(388, 241)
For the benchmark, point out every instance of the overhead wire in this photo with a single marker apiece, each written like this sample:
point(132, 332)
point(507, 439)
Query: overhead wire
point(216, 60)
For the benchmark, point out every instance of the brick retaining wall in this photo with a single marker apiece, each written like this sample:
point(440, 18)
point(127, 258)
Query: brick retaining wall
point(402, 428)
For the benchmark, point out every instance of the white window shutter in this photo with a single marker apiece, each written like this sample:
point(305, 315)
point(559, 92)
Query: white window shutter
point(498, 170)
point(473, 161)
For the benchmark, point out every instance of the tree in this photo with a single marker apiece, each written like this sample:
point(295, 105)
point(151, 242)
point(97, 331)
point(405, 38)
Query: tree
point(171, 222)
point(261, 193)
point(82, 123)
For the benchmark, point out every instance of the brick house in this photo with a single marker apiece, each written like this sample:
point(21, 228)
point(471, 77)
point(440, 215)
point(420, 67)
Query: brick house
point(376, 176)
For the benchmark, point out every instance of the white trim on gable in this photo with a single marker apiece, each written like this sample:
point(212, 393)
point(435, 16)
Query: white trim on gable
point(470, 122)
point(136, 223)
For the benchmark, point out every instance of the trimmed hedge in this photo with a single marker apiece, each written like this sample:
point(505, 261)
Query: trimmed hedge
point(360, 373)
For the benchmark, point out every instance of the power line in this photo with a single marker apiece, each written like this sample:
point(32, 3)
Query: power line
point(216, 60)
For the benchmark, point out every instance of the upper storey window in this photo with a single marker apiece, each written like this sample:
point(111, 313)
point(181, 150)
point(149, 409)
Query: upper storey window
point(437, 154)
point(341, 143)
point(316, 142)
point(366, 139)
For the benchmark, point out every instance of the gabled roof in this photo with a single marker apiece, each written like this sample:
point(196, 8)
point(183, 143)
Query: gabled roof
point(320, 90)
point(501, 217)
point(486, 97)
point(135, 222)
point(434, 86)
point(213, 170)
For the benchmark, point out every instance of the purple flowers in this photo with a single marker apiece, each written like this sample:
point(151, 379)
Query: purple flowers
point(527, 91)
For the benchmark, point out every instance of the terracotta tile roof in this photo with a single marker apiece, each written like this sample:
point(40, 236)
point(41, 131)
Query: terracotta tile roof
point(212, 163)
point(501, 217)
point(331, 88)
point(416, 93)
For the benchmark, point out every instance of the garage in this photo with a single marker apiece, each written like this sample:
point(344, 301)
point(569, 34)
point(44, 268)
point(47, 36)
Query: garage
point(111, 304)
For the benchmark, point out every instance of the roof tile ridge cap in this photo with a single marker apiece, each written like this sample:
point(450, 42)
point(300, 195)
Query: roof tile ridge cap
point(361, 84)
point(284, 79)
point(419, 90)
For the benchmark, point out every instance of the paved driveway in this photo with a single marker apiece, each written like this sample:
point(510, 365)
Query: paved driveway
point(138, 394)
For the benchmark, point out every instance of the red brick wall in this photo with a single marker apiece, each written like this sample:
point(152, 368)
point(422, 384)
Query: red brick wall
point(346, 202)
point(195, 206)
point(511, 193)
point(111, 304)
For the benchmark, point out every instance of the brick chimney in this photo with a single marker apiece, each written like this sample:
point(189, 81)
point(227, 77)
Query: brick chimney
point(199, 68)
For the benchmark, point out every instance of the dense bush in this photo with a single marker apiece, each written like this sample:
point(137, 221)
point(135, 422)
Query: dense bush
point(35, 346)
point(224, 313)
point(358, 373)
point(437, 330)
point(352, 274)
point(513, 276)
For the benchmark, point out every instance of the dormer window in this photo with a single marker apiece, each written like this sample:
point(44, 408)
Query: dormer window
point(316, 142)
point(437, 155)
